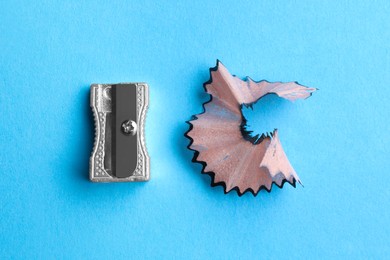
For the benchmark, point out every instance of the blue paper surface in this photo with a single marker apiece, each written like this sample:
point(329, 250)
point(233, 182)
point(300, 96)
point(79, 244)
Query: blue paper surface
point(337, 140)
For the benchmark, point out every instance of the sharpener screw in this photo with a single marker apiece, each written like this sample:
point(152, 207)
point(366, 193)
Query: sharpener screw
point(129, 127)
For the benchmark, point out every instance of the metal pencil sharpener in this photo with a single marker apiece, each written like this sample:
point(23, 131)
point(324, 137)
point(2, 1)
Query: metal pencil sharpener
point(119, 153)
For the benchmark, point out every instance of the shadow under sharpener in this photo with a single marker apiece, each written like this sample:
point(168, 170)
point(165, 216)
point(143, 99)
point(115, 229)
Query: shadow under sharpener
point(119, 153)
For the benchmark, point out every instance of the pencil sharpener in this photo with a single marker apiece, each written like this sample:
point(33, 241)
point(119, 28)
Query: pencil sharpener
point(119, 153)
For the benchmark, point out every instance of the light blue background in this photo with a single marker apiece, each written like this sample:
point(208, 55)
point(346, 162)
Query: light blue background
point(337, 140)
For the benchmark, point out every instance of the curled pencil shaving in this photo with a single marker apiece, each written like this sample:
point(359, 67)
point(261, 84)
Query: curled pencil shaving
point(223, 146)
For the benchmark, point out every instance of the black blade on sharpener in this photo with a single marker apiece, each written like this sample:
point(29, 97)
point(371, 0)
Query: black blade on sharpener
point(124, 145)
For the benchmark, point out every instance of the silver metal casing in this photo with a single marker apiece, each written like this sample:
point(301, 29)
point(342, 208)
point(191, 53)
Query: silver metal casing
point(102, 107)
